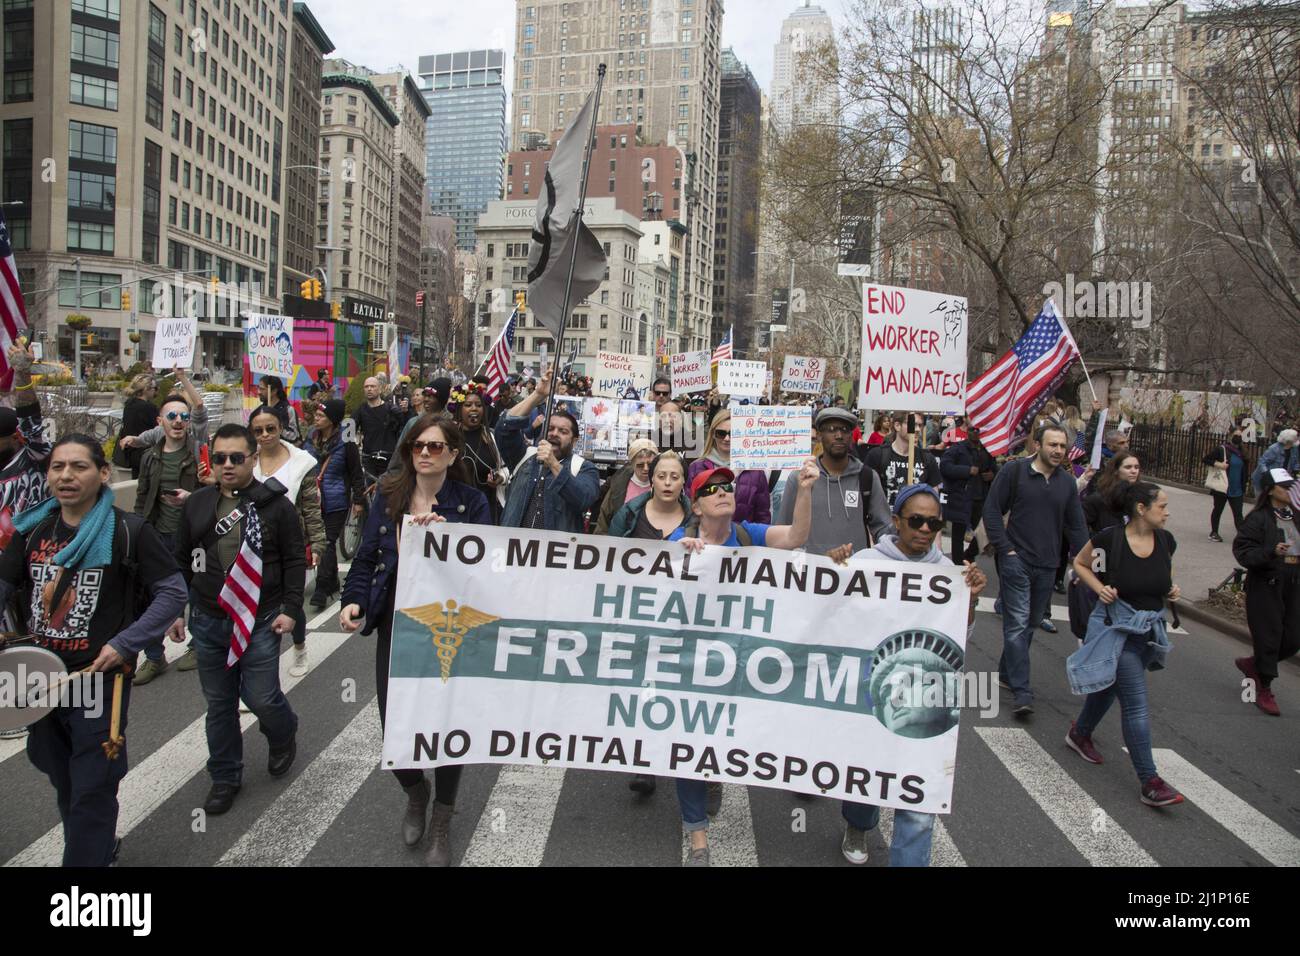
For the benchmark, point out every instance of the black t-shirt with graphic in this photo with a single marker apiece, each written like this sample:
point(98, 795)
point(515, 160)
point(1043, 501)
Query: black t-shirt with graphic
point(892, 469)
point(89, 611)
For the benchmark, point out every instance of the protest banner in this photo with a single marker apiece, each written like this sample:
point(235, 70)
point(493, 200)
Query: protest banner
point(270, 346)
point(691, 372)
point(753, 666)
point(770, 437)
point(173, 342)
point(802, 373)
point(607, 426)
point(913, 349)
point(741, 378)
point(616, 373)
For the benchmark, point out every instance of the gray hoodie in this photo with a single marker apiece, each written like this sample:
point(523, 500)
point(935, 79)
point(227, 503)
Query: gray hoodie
point(887, 549)
point(837, 505)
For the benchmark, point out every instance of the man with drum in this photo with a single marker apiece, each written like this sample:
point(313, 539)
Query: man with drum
point(95, 587)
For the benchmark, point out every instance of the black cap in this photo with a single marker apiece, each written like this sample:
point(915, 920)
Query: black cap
point(334, 409)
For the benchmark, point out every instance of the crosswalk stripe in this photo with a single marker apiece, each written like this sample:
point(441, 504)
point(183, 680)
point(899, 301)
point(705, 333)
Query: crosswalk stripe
point(320, 620)
point(150, 783)
point(516, 821)
point(1065, 803)
point(1243, 821)
point(288, 829)
point(943, 851)
point(731, 832)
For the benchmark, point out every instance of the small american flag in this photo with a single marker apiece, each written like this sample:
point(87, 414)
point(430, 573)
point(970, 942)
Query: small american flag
point(243, 588)
point(1004, 399)
point(13, 311)
point(498, 361)
point(1077, 449)
point(723, 351)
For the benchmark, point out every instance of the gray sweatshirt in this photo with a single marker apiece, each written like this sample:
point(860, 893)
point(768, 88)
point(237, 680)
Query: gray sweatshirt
point(837, 505)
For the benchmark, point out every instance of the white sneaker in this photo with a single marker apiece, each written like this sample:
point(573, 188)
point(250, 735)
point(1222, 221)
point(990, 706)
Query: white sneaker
point(854, 845)
point(299, 666)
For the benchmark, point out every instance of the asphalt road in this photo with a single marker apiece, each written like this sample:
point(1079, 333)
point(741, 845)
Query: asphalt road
point(1021, 798)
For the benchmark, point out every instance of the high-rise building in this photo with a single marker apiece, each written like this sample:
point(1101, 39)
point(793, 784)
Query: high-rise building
point(145, 140)
point(663, 74)
point(308, 46)
point(465, 138)
point(800, 96)
point(937, 32)
point(409, 201)
point(739, 174)
point(358, 132)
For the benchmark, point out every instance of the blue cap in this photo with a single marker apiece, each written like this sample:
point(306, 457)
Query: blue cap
point(911, 490)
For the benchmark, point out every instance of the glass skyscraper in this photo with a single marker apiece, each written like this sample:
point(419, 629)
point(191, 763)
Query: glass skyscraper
point(465, 135)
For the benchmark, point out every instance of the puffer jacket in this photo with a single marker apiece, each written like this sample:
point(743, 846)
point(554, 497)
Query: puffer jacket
point(753, 499)
point(341, 479)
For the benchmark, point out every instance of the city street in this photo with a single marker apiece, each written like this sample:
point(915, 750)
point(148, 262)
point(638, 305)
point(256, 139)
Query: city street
point(1022, 798)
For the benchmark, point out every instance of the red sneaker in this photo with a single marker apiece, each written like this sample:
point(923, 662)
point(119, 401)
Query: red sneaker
point(1247, 666)
point(1157, 793)
point(1266, 702)
point(1082, 745)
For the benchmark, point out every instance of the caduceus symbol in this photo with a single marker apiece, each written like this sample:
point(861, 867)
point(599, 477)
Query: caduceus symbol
point(449, 623)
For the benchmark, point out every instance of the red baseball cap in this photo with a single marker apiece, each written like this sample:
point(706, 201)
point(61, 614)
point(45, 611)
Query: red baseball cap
point(712, 476)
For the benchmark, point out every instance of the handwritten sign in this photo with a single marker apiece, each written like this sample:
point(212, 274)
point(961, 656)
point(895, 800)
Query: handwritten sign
point(270, 345)
point(173, 342)
point(767, 437)
point(691, 372)
point(741, 378)
point(616, 373)
point(913, 349)
point(803, 373)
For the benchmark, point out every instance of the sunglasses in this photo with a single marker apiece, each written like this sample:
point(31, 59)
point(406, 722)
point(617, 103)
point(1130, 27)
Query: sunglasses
point(723, 433)
point(183, 416)
point(433, 447)
point(266, 429)
point(662, 394)
point(235, 457)
point(708, 490)
point(917, 522)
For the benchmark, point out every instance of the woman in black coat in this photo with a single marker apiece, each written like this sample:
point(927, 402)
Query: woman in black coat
point(967, 470)
point(1268, 547)
point(139, 414)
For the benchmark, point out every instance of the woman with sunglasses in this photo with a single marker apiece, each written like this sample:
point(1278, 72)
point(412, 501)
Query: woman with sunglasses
point(713, 511)
point(276, 399)
point(296, 470)
point(753, 499)
point(429, 486)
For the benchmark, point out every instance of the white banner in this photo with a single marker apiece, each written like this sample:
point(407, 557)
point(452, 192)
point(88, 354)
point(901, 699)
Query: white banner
point(913, 350)
point(770, 437)
point(692, 372)
point(803, 373)
point(741, 378)
point(616, 373)
point(173, 342)
point(753, 666)
point(270, 346)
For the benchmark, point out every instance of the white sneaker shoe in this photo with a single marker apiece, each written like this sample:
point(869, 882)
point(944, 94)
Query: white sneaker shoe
point(299, 666)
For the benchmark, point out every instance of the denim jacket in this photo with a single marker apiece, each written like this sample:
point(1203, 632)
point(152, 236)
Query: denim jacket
point(1093, 667)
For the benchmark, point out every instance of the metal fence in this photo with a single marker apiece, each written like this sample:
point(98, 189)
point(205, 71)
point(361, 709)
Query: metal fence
point(1177, 454)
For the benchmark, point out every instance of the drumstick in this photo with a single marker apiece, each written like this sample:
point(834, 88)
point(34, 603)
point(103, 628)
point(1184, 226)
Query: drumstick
point(113, 745)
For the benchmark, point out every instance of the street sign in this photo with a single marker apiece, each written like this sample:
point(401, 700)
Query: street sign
point(856, 270)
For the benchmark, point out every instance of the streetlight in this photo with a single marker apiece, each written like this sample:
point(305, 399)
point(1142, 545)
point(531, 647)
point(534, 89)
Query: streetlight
point(326, 276)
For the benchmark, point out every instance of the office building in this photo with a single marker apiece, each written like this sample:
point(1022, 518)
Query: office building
point(740, 147)
point(801, 95)
point(308, 47)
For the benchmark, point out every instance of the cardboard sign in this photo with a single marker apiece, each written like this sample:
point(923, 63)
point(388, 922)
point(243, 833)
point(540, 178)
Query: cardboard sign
point(741, 378)
point(173, 342)
point(616, 373)
point(913, 349)
point(803, 373)
point(768, 437)
point(691, 372)
point(269, 341)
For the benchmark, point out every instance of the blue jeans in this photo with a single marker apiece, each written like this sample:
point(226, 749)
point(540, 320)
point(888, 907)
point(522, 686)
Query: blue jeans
point(913, 831)
point(1026, 594)
point(692, 796)
point(1131, 688)
point(255, 678)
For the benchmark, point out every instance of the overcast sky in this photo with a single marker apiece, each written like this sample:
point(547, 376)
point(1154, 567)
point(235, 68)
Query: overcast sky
point(382, 34)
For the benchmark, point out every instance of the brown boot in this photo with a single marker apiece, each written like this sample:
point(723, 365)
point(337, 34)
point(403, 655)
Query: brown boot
point(417, 805)
point(439, 852)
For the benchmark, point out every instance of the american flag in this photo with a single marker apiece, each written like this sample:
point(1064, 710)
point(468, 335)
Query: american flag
point(13, 311)
point(1003, 400)
point(243, 588)
point(1077, 449)
point(499, 359)
point(723, 351)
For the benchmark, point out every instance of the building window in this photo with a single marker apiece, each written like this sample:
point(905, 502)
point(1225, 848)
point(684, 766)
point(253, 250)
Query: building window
point(93, 91)
point(108, 9)
point(94, 46)
point(91, 190)
point(90, 236)
point(106, 298)
point(93, 142)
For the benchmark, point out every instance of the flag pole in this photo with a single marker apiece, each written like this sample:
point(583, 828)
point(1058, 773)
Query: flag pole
point(574, 224)
point(1077, 351)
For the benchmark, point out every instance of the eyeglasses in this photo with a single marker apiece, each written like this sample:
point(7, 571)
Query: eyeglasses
point(235, 457)
point(183, 416)
point(708, 490)
point(432, 447)
point(659, 394)
point(265, 429)
point(722, 433)
point(917, 522)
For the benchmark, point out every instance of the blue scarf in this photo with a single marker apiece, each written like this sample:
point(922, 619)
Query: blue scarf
point(92, 546)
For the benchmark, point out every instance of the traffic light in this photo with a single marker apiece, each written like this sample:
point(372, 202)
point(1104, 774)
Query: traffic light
point(126, 300)
point(315, 289)
point(521, 300)
point(304, 289)
point(419, 298)
point(90, 340)
point(336, 310)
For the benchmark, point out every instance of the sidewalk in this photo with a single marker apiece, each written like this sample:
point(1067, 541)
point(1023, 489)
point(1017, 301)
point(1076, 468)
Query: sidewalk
point(1199, 563)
